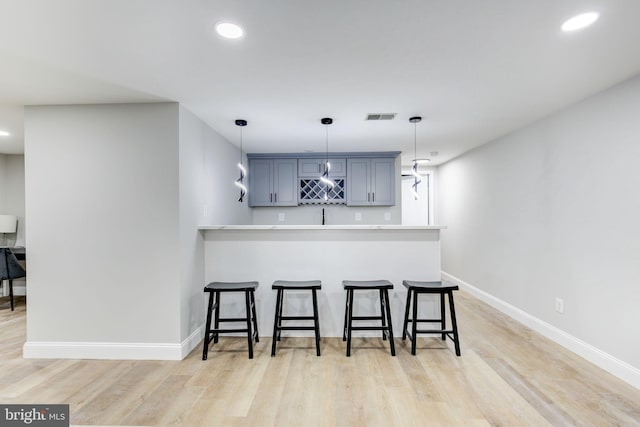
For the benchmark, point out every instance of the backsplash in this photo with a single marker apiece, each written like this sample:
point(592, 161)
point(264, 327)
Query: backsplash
point(334, 215)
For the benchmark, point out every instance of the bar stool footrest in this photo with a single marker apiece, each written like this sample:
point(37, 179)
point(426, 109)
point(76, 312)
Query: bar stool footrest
point(297, 318)
point(296, 328)
point(226, 331)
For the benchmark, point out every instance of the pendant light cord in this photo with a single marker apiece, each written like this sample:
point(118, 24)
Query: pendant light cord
point(326, 128)
point(241, 145)
point(415, 137)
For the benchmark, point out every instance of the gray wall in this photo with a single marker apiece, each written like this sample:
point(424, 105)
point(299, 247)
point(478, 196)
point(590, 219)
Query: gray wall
point(12, 193)
point(552, 211)
point(102, 203)
point(114, 197)
point(207, 196)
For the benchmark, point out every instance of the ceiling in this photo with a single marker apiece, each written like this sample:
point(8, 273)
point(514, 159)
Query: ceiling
point(475, 70)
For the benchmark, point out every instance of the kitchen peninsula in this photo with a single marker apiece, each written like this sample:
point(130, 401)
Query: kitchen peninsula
point(330, 253)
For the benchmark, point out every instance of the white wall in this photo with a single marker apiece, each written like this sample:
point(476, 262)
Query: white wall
point(207, 196)
point(102, 208)
point(552, 211)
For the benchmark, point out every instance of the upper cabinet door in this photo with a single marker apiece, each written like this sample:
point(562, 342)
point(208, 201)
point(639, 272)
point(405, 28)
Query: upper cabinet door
point(371, 182)
point(310, 168)
point(260, 179)
point(338, 167)
point(358, 177)
point(383, 183)
point(313, 168)
point(285, 182)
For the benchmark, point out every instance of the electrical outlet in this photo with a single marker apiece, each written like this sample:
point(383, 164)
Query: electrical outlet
point(281, 216)
point(559, 305)
point(387, 216)
point(358, 216)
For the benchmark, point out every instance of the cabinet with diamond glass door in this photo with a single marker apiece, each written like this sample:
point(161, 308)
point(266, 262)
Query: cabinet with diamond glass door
point(312, 190)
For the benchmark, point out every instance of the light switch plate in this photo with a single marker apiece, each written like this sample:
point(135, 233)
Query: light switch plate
point(281, 216)
point(387, 216)
point(358, 216)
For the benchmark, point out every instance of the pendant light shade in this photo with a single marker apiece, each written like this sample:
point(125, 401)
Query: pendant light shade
point(417, 179)
point(329, 184)
point(243, 171)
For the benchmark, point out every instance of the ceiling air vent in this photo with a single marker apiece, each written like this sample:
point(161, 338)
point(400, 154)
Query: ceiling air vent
point(381, 116)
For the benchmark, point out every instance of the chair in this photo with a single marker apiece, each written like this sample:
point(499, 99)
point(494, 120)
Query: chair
point(416, 288)
point(10, 269)
point(283, 285)
point(383, 287)
point(215, 290)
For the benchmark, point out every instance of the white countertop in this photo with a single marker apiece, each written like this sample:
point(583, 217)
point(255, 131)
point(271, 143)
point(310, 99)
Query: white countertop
point(321, 227)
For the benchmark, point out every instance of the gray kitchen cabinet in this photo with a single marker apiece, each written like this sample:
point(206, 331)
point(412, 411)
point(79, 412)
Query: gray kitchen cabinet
point(273, 182)
point(312, 168)
point(371, 182)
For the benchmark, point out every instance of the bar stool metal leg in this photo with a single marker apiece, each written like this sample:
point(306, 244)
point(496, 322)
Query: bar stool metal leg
point(414, 323)
point(390, 328)
point(443, 317)
point(350, 320)
point(316, 321)
point(382, 316)
point(346, 312)
point(406, 316)
point(247, 299)
point(255, 317)
point(281, 296)
point(454, 324)
point(216, 308)
point(205, 349)
point(275, 324)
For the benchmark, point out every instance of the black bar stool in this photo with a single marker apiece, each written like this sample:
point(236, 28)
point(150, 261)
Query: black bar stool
point(383, 287)
point(215, 289)
point(416, 288)
point(281, 286)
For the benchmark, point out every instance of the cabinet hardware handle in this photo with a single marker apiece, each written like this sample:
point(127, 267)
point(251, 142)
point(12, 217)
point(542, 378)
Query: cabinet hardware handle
point(271, 197)
point(374, 197)
point(368, 197)
point(275, 196)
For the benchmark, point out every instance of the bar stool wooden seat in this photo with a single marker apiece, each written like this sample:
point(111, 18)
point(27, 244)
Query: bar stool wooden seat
point(383, 287)
point(278, 327)
point(215, 289)
point(416, 288)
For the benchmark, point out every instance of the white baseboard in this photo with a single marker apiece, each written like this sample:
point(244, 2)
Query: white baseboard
point(112, 351)
point(192, 341)
point(617, 367)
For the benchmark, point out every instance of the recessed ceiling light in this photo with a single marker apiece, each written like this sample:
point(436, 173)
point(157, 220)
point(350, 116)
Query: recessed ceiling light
point(3, 133)
point(580, 21)
point(229, 30)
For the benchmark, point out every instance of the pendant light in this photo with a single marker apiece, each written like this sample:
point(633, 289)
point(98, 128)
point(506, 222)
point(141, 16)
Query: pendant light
point(417, 179)
point(329, 184)
point(243, 171)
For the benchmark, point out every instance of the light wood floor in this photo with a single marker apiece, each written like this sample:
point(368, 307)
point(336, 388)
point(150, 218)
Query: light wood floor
point(507, 376)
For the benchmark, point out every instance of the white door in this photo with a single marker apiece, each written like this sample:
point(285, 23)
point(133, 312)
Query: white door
point(415, 212)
